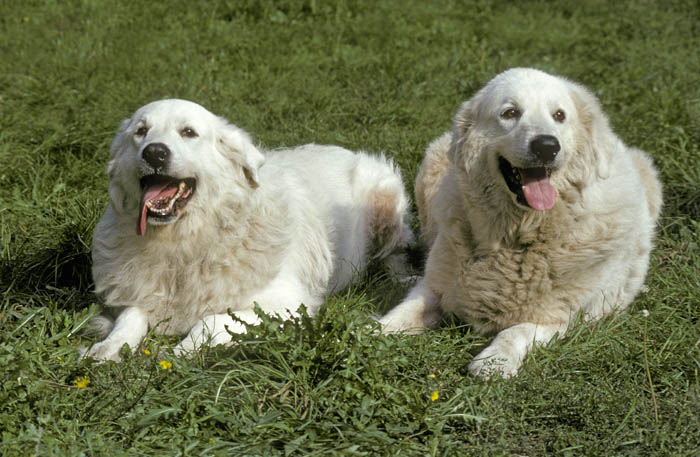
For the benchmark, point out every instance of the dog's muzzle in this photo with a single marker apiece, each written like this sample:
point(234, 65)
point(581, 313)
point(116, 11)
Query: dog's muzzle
point(162, 199)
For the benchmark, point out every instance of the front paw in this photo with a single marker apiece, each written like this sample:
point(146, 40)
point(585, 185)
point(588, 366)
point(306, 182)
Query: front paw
point(102, 351)
point(208, 332)
point(495, 361)
point(186, 347)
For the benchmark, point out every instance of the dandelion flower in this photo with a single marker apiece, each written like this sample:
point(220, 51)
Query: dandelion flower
point(165, 364)
point(147, 352)
point(81, 382)
point(434, 396)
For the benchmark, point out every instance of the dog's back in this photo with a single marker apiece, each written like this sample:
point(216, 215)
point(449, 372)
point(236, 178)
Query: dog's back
point(361, 195)
point(650, 181)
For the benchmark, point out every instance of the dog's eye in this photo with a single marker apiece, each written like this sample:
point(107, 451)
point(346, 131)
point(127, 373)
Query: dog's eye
point(559, 116)
point(141, 131)
point(510, 113)
point(188, 132)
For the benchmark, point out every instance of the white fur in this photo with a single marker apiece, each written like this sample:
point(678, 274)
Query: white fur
point(505, 268)
point(278, 229)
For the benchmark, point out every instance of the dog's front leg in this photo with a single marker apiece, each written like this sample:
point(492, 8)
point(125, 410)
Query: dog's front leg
point(129, 328)
point(419, 310)
point(505, 354)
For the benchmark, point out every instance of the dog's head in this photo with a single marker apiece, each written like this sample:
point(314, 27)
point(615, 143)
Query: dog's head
point(536, 133)
point(173, 158)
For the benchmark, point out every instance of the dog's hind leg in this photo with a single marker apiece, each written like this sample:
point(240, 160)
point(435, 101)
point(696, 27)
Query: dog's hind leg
point(419, 310)
point(378, 187)
point(282, 297)
point(213, 330)
point(382, 192)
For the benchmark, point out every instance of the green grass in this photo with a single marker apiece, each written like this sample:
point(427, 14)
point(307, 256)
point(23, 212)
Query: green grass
point(381, 76)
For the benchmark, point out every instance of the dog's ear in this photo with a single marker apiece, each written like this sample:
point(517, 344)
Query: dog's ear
point(235, 144)
point(597, 140)
point(117, 194)
point(464, 120)
point(119, 138)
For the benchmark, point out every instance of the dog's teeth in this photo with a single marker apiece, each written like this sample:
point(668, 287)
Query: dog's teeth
point(180, 190)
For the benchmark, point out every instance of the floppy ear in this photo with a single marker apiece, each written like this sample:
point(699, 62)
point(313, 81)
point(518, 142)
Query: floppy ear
point(597, 140)
point(117, 194)
point(118, 138)
point(464, 120)
point(235, 144)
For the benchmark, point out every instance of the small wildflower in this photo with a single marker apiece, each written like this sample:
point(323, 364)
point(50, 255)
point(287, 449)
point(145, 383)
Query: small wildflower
point(212, 441)
point(147, 352)
point(165, 364)
point(434, 396)
point(81, 382)
point(431, 376)
point(645, 313)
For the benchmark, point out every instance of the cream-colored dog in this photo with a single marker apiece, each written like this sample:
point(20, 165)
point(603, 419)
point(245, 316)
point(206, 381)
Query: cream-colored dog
point(534, 212)
point(201, 222)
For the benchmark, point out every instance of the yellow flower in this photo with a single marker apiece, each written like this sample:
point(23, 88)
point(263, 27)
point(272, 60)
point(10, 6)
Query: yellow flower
point(431, 376)
point(165, 364)
point(147, 352)
point(212, 441)
point(435, 395)
point(81, 383)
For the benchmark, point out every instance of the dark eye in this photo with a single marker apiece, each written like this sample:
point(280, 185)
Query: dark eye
point(559, 116)
point(510, 113)
point(188, 132)
point(142, 131)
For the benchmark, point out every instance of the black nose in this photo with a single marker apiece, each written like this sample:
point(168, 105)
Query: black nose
point(156, 155)
point(545, 147)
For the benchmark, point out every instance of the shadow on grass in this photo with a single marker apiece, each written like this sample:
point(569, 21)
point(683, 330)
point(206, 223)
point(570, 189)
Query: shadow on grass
point(65, 264)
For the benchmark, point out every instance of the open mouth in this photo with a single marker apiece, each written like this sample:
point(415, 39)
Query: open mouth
point(162, 199)
point(531, 186)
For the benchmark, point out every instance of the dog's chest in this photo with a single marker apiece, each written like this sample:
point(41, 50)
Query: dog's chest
point(178, 288)
point(534, 273)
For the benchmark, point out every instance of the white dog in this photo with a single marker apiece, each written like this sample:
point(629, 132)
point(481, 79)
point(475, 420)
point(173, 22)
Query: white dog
point(534, 212)
point(201, 222)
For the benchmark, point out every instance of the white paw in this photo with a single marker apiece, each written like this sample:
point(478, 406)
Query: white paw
point(396, 324)
point(206, 333)
point(104, 350)
point(495, 361)
point(186, 347)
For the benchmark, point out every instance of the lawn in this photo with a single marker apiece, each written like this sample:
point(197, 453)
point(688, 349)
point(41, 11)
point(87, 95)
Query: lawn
point(373, 75)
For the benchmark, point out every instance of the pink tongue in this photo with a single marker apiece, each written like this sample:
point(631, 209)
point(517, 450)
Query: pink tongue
point(539, 193)
point(156, 191)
